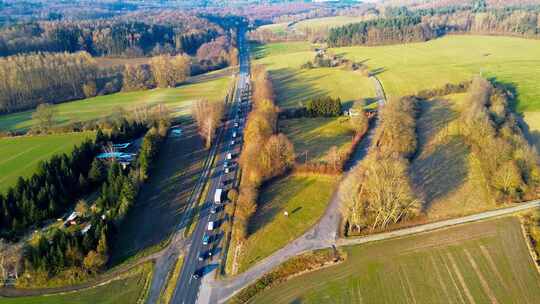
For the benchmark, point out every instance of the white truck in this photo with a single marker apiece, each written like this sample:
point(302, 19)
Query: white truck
point(229, 155)
point(217, 196)
point(210, 226)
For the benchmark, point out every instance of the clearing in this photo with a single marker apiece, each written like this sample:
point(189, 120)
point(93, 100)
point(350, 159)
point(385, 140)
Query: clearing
point(163, 198)
point(178, 100)
point(304, 197)
point(445, 172)
point(20, 156)
point(485, 262)
point(294, 85)
point(313, 137)
point(128, 288)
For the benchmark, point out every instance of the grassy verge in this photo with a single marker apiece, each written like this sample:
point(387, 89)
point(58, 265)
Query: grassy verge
point(130, 287)
point(483, 262)
point(172, 280)
point(304, 197)
point(299, 264)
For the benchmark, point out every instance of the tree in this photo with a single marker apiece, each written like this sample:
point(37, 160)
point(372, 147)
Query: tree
point(168, 71)
point(97, 172)
point(44, 116)
point(359, 121)
point(333, 156)
point(90, 89)
point(82, 208)
point(207, 115)
point(94, 261)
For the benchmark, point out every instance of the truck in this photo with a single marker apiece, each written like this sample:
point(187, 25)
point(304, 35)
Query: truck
point(210, 226)
point(229, 155)
point(217, 196)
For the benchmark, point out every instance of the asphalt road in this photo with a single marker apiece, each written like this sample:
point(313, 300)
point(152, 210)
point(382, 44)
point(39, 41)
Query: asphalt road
point(187, 288)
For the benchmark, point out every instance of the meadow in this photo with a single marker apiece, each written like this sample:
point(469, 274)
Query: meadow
point(163, 199)
point(212, 86)
point(304, 197)
point(485, 262)
point(20, 156)
point(294, 86)
point(326, 23)
point(314, 137)
point(407, 68)
point(128, 288)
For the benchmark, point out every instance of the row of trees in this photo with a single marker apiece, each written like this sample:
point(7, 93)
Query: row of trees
point(264, 155)
point(324, 106)
point(381, 191)
point(508, 162)
point(163, 71)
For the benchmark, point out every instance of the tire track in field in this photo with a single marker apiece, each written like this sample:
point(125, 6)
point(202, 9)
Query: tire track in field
point(492, 265)
point(483, 281)
point(458, 290)
point(439, 278)
point(460, 278)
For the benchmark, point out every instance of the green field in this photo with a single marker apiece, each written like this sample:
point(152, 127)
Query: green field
point(293, 85)
point(326, 23)
point(304, 197)
point(485, 262)
point(177, 99)
point(163, 199)
point(313, 137)
point(408, 68)
point(131, 288)
point(19, 156)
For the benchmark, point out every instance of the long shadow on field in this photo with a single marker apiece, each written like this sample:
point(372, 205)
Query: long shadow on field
point(162, 200)
point(292, 85)
point(435, 116)
point(271, 201)
point(442, 170)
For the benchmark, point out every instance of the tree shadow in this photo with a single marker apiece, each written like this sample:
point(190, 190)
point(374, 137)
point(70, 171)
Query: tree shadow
point(377, 71)
point(442, 170)
point(435, 115)
point(272, 200)
point(294, 87)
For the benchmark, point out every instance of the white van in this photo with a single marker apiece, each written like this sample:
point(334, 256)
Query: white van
point(229, 156)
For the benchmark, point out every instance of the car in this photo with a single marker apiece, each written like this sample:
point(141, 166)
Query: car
point(206, 239)
point(229, 155)
point(198, 273)
point(227, 170)
point(236, 125)
point(232, 142)
point(225, 164)
point(213, 210)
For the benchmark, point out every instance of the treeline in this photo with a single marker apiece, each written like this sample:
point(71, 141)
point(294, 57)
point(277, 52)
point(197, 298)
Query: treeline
point(416, 26)
point(265, 154)
point(70, 255)
point(508, 162)
point(381, 190)
point(45, 78)
point(135, 35)
point(59, 181)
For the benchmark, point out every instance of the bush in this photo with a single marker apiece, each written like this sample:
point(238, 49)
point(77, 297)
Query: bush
point(324, 107)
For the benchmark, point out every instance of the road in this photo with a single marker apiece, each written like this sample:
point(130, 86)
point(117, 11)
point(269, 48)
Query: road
point(187, 288)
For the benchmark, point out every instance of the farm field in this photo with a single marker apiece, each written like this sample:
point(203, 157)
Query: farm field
point(485, 262)
point(130, 288)
point(313, 137)
point(445, 172)
point(20, 156)
point(294, 85)
point(326, 23)
point(163, 198)
point(178, 100)
point(408, 68)
point(304, 197)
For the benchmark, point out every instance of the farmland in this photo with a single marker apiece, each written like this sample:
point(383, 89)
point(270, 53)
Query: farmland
point(176, 99)
point(304, 197)
point(475, 263)
point(129, 288)
point(313, 137)
point(326, 23)
point(163, 199)
point(20, 156)
point(294, 85)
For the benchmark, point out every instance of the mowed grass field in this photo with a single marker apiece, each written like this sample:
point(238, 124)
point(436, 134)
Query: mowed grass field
point(20, 156)
point(314, 137)
point(304, 197)
point(294, 86)
point(130, 288)
point(486, 262)
point(162, 200)
point(212, 86)
point(408, 68)
point(445, 173)
point(326, 23)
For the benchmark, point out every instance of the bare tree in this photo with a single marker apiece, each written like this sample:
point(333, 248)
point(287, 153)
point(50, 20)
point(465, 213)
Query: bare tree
point(44, 116)
point(207, 115)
